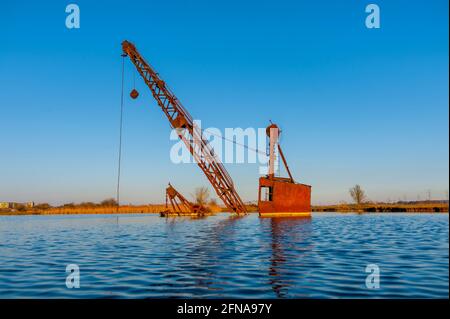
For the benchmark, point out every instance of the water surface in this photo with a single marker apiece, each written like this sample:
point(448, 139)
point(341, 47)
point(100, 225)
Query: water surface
point(146, 256)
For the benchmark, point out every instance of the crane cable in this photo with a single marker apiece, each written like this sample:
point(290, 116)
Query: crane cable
point(120, 136)
point(234, 142)
point(121, 125)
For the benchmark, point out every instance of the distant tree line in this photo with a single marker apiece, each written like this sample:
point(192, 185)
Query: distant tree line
point(110, 202)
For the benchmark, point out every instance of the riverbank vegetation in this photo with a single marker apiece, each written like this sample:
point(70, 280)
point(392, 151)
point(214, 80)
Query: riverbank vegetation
point(109, 206)
point(399, 207)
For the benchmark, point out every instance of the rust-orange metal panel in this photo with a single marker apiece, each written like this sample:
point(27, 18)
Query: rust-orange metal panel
point(286, 198)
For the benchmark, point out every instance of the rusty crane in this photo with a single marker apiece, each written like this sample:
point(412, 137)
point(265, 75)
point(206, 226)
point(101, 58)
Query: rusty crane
point(180, 206)
point(191, 135)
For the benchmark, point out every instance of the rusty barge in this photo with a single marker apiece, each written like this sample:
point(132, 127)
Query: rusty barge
point(281, 196)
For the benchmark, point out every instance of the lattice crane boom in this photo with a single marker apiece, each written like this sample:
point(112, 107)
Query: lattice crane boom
point(180, 119)
point(180, 205)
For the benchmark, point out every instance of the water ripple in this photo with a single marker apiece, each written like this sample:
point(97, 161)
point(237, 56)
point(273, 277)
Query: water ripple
point(145, 256)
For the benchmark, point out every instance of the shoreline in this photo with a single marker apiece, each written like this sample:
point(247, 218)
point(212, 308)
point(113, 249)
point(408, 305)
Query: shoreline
point(436, 208)
point(384, 208)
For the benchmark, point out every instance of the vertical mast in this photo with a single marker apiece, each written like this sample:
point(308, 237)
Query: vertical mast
point(272, 132)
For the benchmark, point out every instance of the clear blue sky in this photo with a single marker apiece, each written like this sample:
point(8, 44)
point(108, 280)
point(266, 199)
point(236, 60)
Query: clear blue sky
point(355, 105)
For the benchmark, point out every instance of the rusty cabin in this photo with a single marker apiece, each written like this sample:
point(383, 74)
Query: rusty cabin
point(281, 196)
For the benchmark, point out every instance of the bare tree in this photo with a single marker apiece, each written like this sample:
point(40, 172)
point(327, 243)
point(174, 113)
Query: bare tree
point(109, 202)
point(358, 194)
point(43, 206)
point(201, 196)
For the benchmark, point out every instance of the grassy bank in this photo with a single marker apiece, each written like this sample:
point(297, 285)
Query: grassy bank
point(385, 208)
point(128, 209)
point(156, 209)
point(125, 209)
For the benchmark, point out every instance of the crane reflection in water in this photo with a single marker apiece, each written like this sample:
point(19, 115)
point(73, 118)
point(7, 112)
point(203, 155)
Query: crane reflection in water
point(218, 254)
point(286, 233)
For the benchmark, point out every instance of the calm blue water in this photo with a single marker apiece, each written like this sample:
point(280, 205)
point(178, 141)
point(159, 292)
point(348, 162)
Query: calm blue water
point(146, 256)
